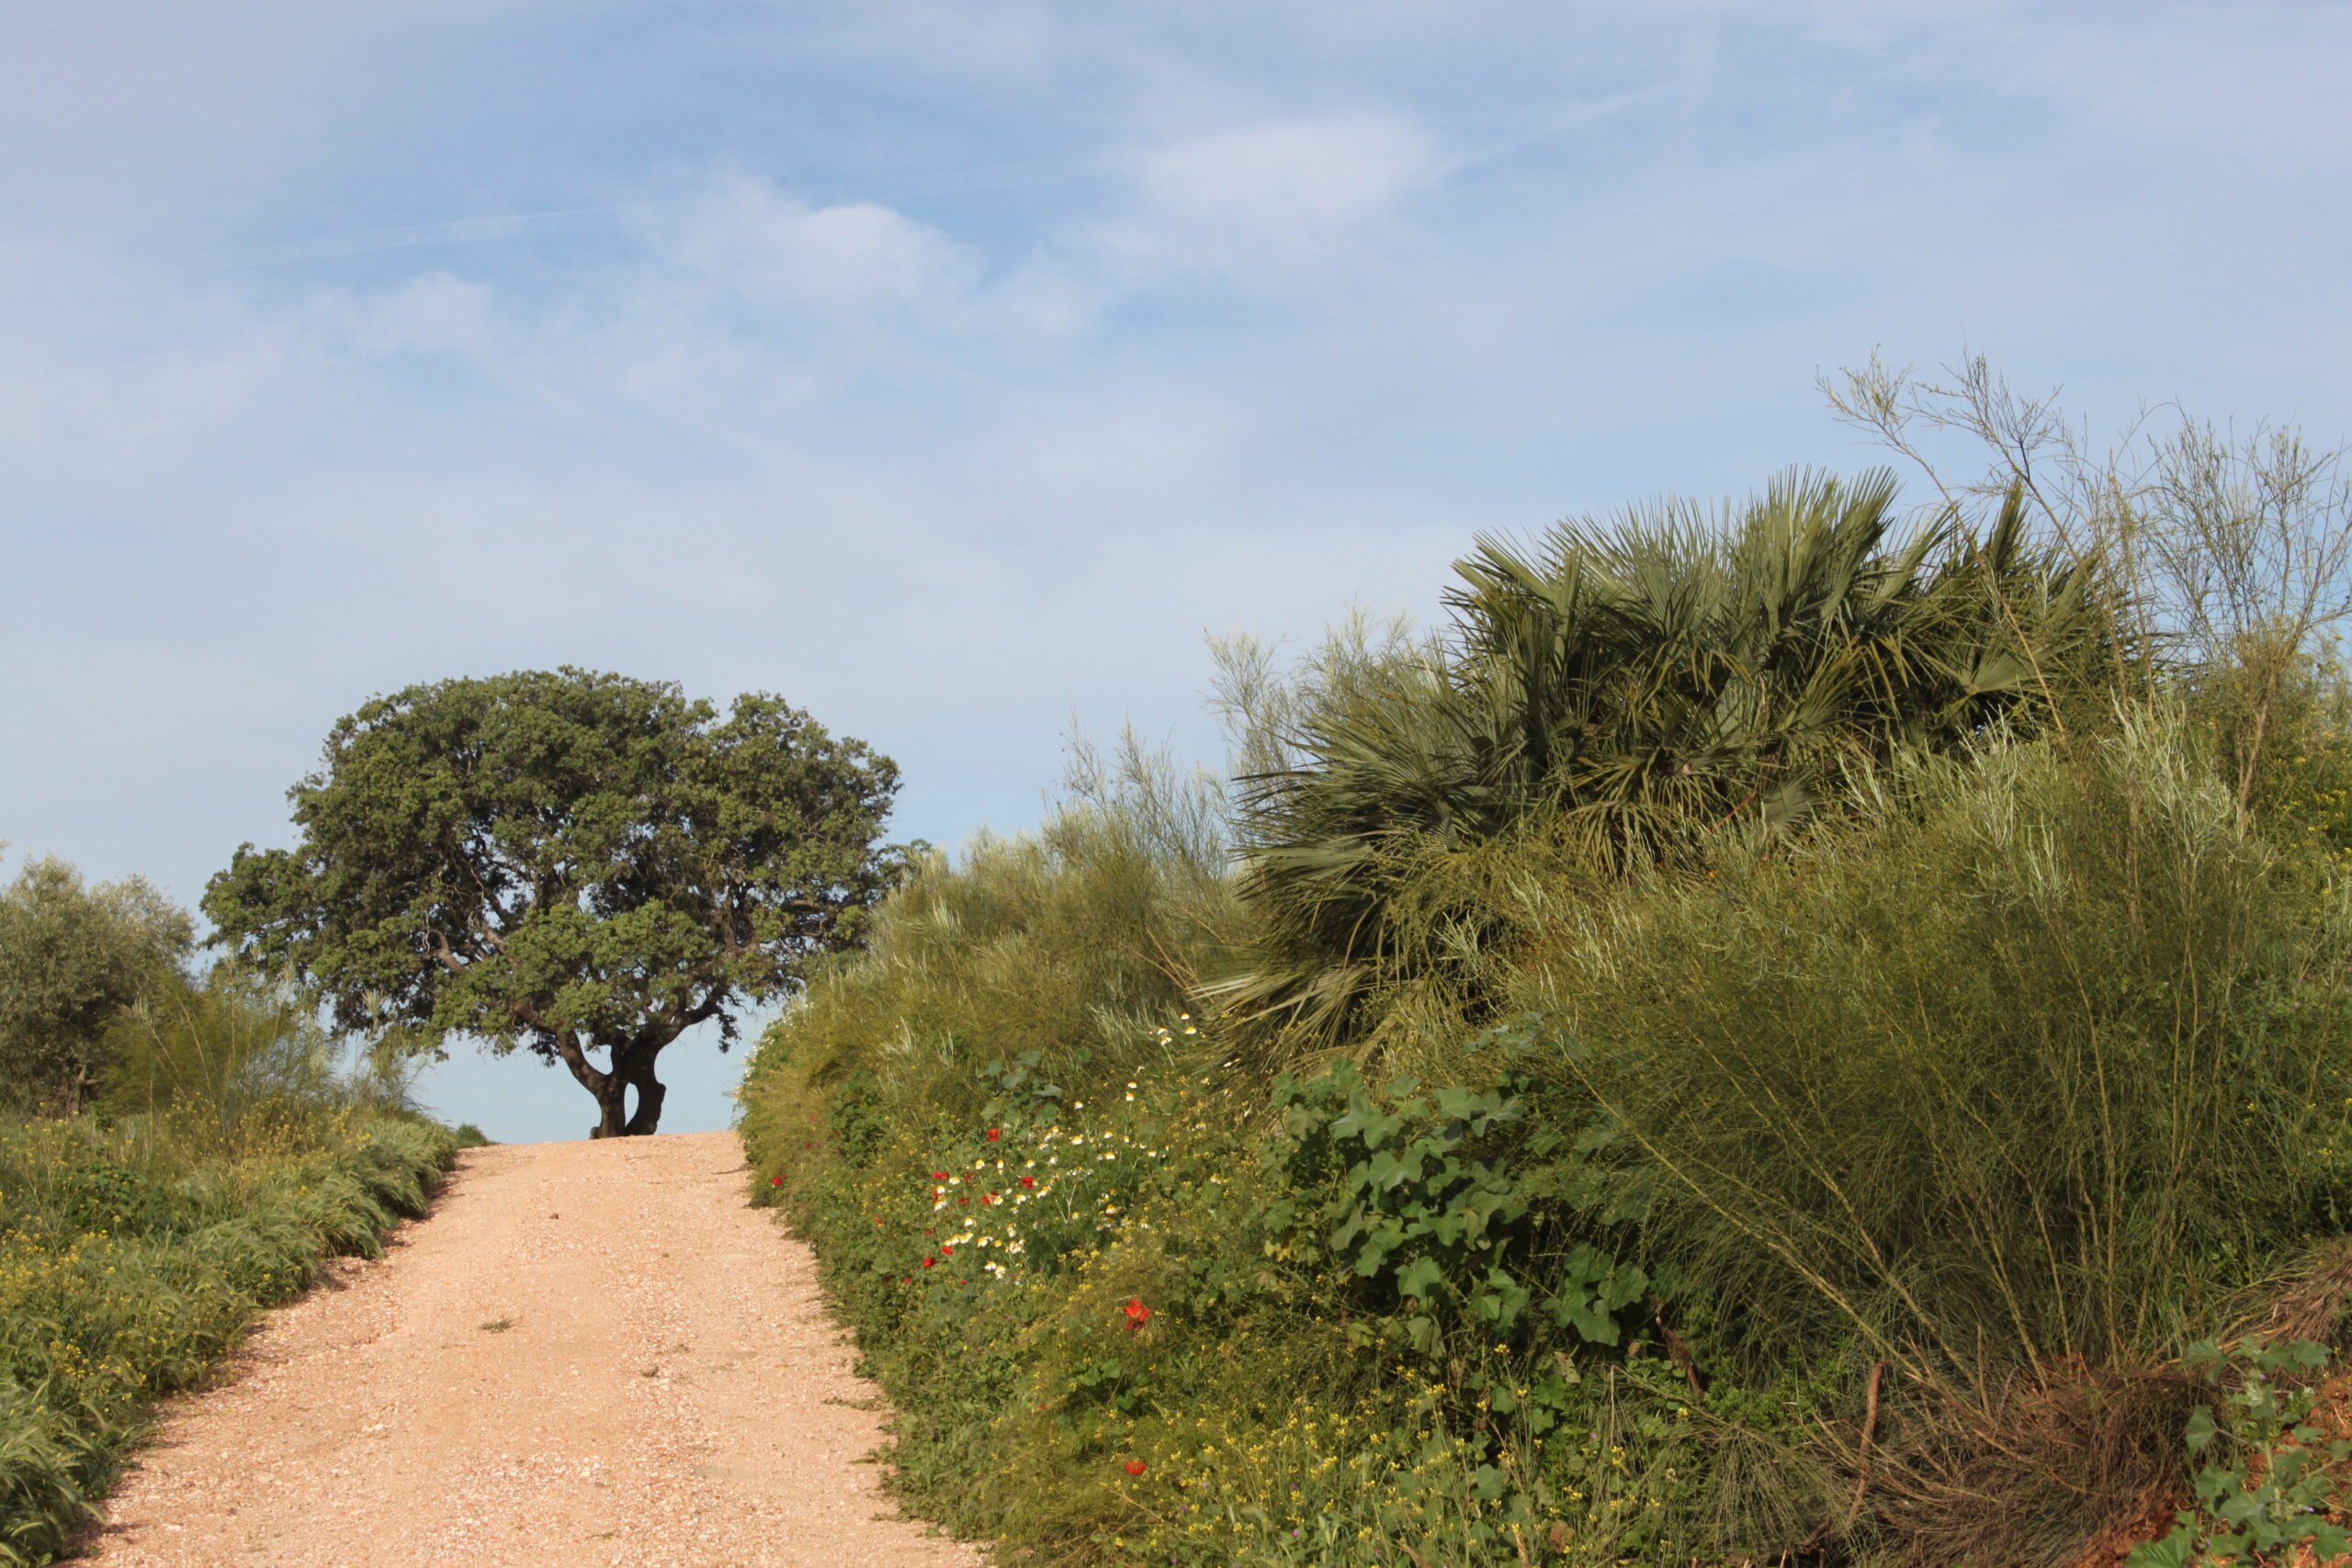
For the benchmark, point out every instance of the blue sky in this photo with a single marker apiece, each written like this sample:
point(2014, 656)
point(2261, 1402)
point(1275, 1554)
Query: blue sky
point(952, 368)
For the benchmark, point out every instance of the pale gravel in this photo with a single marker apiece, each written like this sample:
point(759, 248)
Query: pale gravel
point(672, 1393)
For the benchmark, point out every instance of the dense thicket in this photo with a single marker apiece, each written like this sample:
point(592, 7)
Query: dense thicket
point(179, 1153)
point(1766, 1039)
point(1635, 688)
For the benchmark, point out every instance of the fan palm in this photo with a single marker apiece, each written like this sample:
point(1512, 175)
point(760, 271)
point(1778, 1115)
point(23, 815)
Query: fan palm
point(1634, 689)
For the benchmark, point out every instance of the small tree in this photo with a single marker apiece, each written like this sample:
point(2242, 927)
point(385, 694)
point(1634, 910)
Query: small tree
point(72, 958)
point(571, 861)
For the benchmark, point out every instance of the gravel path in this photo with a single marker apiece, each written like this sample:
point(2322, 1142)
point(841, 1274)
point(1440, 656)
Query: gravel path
point(592, 1353)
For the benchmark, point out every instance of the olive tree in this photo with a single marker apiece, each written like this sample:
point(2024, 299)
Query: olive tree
point(72, 958)
point(581, 864)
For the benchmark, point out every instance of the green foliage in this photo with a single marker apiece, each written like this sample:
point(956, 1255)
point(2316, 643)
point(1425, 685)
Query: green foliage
point(2265, 1492)
point(72, 958)
point(567, 860)
point(234, 1060)
point(1931, 1086)
point(1957, 1074)
point(1071, 943)
point(1848, 1012)
point(1117, 1276)
point(132, 1256)
point(1436, 1203)
point(1106, 1346)
point(1638, 689)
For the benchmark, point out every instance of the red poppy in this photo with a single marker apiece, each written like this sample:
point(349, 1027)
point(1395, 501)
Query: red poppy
point(1136, 1467)
point(929, 1262)
point(776, 1181)
point(1028, 1181)
point(939, 1176)
point(1137, 1313)
point(994, 1133)
point(947, 1252)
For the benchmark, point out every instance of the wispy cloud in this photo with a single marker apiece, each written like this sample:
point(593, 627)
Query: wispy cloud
point(458, 232)
point(948, 366)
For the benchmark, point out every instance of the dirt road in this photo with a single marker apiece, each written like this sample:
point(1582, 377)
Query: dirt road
point(592, 1353)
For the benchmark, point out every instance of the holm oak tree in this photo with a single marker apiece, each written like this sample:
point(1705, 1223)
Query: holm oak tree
point(571, 861)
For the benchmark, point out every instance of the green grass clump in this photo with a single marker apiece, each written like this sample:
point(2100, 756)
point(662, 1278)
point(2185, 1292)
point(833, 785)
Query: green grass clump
point(130, 1262)
point(231, 1150)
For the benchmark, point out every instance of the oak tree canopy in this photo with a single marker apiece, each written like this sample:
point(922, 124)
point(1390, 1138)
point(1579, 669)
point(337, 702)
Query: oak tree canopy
point(581, 864)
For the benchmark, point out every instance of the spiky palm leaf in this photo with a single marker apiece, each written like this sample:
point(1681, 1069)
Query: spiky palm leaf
point(1637, 689)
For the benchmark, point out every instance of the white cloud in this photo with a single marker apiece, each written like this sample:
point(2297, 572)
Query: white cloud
point(433, 313)
point(743, 236)
point(1271, 200)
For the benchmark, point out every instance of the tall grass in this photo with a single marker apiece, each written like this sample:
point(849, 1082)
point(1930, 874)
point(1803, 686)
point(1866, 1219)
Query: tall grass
point(1073, 943)
point(2013, 1088)
point(231, 1156)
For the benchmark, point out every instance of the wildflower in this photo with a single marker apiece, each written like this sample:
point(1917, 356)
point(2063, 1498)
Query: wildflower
point(939, 1176)
point(1136, 1467)
point(776, 1181)
point(929, 1262)
point(1137, 1313)
point(1028, 1181)
point(994, 1133)
point(947, 1251)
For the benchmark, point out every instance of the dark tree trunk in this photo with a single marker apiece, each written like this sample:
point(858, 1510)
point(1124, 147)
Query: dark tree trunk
point(634, 1070)
point(612, 1106)
point(650, 1093)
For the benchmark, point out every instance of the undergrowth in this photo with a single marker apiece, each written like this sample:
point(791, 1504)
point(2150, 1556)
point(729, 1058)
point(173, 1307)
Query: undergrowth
point(1770, 1040)
point(137, 1249)
point(1852, 1204)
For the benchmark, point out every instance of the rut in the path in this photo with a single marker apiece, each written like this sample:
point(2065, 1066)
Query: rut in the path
point(591, 1354)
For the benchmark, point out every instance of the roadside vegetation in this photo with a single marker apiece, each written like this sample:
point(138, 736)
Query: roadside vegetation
point(176, 1152)
point(1808, 1032)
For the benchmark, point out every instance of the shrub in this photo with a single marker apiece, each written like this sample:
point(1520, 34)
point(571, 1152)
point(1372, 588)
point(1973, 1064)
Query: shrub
point(72, 958)
point(1762, 1043)
point(2008, 1088)
point(131, 1261)
point(1639, 687)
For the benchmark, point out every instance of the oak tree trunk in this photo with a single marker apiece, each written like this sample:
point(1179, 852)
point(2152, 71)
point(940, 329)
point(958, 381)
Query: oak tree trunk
point(634, 1070)
point(612, 1107)
point(649, 1094)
